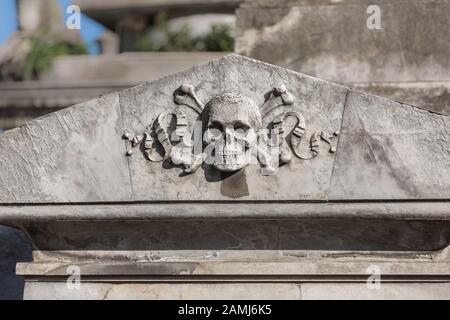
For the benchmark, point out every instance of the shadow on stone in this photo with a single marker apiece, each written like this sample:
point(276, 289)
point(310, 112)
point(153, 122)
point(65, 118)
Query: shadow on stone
point(315, 234)
point(14, 247)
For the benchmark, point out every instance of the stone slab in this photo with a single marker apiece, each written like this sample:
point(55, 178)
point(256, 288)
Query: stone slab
point(238, 291)
point(306, 269)
point(162, 291)
point(335, 43)
point(294, 3)
point(72, 155)
point(386, 291)
point(45, 259)
point(389, 150)
point(23, 101)
point(401, 210)
point(129, 67)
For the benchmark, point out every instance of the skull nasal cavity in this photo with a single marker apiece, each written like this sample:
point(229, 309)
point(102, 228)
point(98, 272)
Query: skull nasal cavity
point(229, 136)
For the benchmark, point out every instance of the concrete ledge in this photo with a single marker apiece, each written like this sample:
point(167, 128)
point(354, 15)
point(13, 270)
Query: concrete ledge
point(55, 93)
point(292, 3)
point(132, 67)
point(308, 270)
point(238, 291)
point(414, 210)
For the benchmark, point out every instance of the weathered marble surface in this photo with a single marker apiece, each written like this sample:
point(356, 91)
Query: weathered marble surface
point(387, 291)
point(382, 154)
point(73, 155)
point(395, 210)
point(164, 291)
point(312, 266)
point(78, 155)
point(293, 3)
point(240, 291)
point(336, 45)
point(216, 259)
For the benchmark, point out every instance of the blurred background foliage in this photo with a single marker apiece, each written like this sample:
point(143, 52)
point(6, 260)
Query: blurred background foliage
point(29, 54)
point(160, 38)
point(44, 47)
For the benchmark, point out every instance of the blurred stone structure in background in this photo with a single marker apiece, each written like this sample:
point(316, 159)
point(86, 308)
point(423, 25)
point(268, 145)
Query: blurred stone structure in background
point(37, 19)
point(130, 19)
point(408, 59)
point(73, 79)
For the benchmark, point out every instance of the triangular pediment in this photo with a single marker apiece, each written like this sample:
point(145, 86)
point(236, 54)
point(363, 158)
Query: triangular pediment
point(341, 144)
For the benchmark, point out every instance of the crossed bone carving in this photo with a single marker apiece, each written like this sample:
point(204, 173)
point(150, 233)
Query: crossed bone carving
point(231, 126)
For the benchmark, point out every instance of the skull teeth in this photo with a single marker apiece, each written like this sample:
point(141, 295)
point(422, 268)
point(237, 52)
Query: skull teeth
point(229, 157)
point(229, 153)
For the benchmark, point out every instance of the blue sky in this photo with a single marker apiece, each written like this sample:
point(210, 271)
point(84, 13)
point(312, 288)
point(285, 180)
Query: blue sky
point(8, 19)
point(90, 30)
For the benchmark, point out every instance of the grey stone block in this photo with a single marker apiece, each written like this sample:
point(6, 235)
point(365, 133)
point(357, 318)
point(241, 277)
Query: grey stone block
point(238, 291)
point(388, 150)
point(386, 291)
point(164, 291)
point(73, 155)
point(335, 43)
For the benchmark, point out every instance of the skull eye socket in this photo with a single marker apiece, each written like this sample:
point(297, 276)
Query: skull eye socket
point(216, 126)
point(215, 130)
point(240, 128)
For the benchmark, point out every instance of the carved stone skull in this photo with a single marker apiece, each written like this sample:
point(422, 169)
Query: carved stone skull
point(231, 122)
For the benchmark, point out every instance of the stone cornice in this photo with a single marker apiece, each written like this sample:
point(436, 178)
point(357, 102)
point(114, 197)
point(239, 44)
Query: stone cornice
point(396, 210)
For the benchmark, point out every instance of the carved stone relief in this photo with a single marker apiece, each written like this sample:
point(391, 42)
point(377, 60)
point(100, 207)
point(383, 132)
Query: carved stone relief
point(228, 133)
